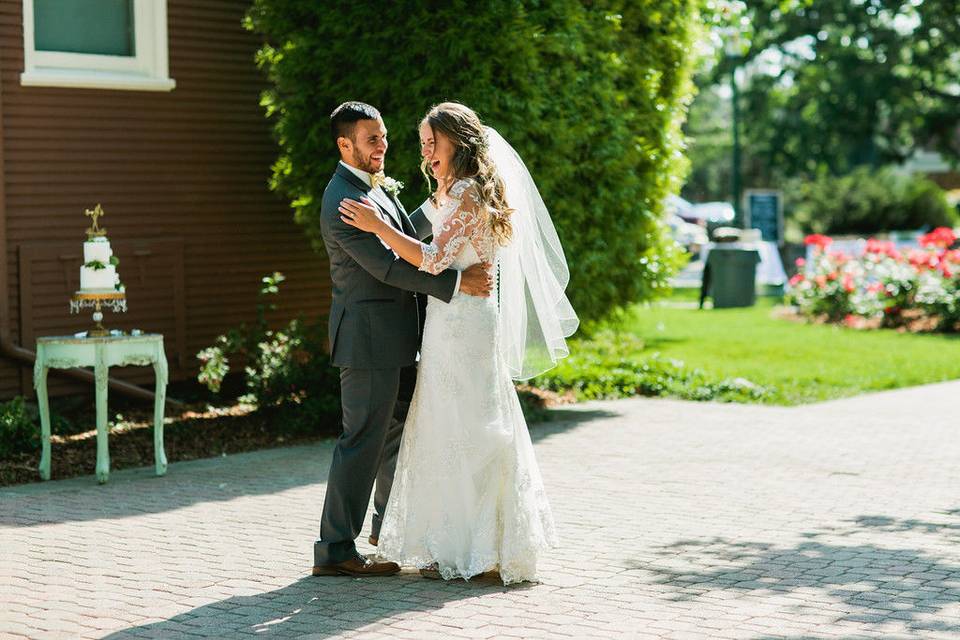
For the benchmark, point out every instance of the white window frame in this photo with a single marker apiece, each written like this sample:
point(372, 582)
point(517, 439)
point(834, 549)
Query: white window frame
point(147, 71)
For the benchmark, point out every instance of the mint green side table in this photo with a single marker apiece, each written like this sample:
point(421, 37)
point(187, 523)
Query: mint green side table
point(101, 353)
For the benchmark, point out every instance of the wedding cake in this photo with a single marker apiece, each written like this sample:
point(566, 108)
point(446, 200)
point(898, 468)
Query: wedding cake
point(99, 271)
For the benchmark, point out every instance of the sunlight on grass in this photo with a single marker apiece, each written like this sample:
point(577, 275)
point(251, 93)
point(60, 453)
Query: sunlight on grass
point(805, 363)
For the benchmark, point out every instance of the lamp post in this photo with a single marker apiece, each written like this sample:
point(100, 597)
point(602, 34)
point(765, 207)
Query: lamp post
point(733, 47)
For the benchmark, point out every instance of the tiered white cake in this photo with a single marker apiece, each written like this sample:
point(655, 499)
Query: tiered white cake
point(99, 270)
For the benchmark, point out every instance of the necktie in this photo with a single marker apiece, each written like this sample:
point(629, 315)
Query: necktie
point(377, 179)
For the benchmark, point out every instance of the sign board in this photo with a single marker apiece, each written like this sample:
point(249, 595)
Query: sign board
point(763, 210)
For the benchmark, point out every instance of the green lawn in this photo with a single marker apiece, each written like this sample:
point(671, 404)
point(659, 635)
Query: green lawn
point(805, 363)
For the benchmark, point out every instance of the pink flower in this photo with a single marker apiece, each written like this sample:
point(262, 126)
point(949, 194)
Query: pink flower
point(801, 263)
point(848, 283)
point(796, 279)
point(875, 287)
point(942, 237)
point(839, 257)
point(952, 255)
point(818, 240)
point(881, 248)
point(878, 246)
point(923, 259)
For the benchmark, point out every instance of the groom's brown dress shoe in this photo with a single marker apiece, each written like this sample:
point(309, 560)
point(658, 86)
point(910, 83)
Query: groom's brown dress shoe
point(358, 567)
point(373, 540)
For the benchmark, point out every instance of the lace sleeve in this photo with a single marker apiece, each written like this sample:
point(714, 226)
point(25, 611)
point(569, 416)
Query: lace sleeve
point(461, 220)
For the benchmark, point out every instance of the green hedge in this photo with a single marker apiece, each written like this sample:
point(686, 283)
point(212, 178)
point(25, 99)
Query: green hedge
point(615, 365)
point(867, 201)
point(592, 95)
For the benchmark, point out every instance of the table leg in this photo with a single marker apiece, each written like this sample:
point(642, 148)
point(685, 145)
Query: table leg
point(40, 384)
point(103, 450)
point(160, 371)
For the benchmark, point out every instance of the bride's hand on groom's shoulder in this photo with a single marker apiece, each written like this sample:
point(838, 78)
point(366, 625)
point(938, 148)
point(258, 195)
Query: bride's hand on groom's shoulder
point(476, 280)
point(362, 215)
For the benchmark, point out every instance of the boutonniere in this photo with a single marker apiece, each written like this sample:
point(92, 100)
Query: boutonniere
point(392, 186)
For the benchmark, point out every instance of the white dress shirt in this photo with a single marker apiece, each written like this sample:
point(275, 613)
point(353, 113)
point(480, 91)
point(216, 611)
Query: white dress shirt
point(365, 176)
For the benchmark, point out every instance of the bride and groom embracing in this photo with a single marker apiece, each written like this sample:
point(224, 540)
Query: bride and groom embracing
point(458, 490)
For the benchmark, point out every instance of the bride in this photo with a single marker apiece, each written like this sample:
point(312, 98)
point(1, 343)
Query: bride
point(468, 497)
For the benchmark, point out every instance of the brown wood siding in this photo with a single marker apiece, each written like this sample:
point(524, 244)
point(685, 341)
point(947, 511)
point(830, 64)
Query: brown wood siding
point(186, 170)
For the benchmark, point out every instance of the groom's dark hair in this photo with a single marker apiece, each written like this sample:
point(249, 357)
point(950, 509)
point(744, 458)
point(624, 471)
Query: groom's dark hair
point(345, 117)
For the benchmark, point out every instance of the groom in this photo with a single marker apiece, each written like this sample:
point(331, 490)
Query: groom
point(375, 323)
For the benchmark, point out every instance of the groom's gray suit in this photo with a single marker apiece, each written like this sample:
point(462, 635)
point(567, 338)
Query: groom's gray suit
point(374, 333)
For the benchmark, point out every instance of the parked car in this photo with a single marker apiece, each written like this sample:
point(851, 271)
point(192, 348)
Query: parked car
point(691, 223)
point(714, 213)
point(709, 213)
point(691, 236)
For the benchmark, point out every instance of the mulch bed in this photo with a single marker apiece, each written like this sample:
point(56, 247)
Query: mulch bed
point(909, 321)
point(197, 431)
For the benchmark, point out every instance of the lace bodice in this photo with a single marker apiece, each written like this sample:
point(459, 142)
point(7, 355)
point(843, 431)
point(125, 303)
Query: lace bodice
point(462, 234)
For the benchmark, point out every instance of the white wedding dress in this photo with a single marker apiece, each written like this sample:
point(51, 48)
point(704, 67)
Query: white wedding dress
point(467, 494)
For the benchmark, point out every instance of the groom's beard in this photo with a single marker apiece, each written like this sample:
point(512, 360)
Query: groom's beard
point(362, 163)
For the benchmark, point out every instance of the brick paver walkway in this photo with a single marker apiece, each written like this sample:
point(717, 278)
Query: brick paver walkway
point(679, 520)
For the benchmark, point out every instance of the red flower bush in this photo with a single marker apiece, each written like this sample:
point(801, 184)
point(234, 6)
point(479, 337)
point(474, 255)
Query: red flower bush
point(881, 248)
point(818, 240)
point(941, 238)
point(883, 285)
point(923, 259)
point(952, 256)
point(848, 285)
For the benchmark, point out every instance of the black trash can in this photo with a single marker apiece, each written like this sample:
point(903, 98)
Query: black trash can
point(733, 276)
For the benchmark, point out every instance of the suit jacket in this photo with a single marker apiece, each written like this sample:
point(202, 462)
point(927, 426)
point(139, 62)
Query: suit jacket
point(375, 317)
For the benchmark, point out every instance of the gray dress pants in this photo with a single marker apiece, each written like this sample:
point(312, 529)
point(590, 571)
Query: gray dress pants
point(366, 452)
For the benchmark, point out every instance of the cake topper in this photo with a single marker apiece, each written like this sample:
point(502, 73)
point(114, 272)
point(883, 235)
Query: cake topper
point(115, 297)
point(95, 231)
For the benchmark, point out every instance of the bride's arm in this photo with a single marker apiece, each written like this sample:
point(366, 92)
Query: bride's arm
point(363, 216)
point(456, 231)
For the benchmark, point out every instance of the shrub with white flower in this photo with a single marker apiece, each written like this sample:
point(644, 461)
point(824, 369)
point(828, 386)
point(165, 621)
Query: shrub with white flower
point(882, 285)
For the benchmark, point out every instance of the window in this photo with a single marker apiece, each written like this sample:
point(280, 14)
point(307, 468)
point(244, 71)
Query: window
point(97, 44)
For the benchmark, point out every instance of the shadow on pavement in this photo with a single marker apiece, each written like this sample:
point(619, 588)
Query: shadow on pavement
point(892, 583)
point(562, 420)
point(321, 607)
point(136, 492)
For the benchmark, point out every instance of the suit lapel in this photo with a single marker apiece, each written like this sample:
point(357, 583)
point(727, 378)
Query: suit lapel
point(396, 202)
point(383, 204)
point(407, 225)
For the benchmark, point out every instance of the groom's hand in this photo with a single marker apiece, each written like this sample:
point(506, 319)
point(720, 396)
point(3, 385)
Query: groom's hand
point(477, 281)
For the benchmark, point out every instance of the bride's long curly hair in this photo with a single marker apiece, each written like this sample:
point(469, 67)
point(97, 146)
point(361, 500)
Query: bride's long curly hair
point(461, 125)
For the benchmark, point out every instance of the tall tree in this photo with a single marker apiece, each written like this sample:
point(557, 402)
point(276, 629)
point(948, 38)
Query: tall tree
point(835, 84)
